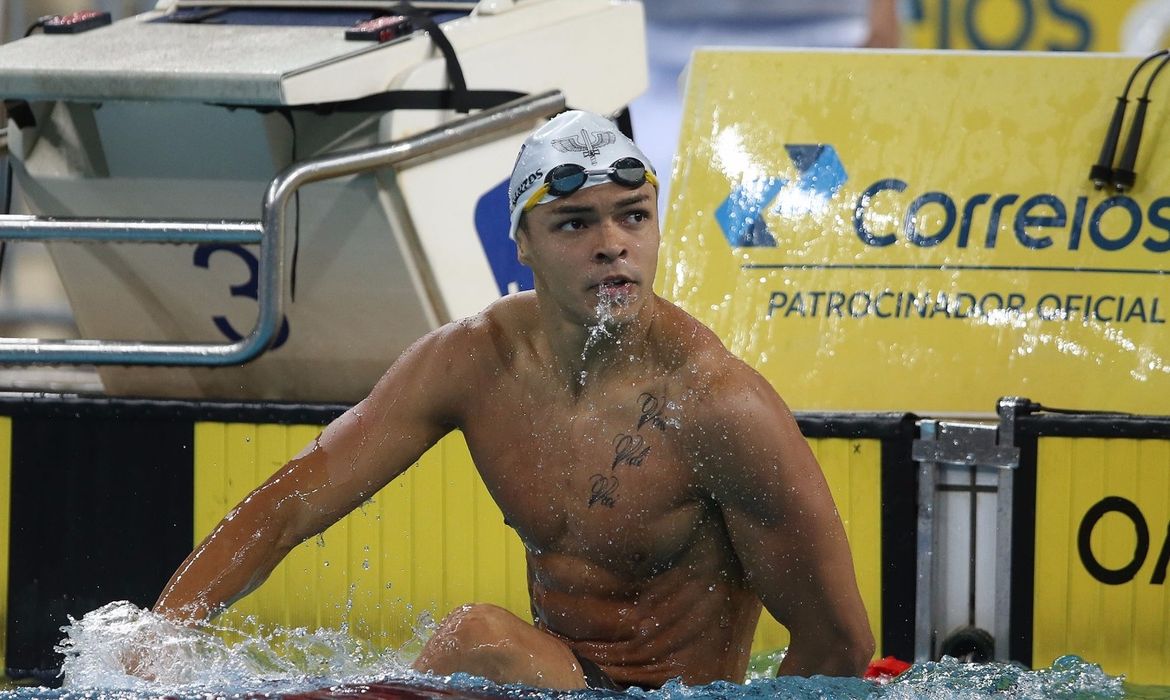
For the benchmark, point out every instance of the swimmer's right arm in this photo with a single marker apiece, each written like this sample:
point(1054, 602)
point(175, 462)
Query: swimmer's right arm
point(413, 405)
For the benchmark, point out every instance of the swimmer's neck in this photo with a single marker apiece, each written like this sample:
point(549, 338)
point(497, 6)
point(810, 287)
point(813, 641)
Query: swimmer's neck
point(583, 356)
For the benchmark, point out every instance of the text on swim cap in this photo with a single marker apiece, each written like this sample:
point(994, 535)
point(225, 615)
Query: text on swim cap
point(523, 187)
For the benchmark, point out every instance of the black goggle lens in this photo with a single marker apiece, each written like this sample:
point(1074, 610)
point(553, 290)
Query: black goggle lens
point(567, 178)
point(628, 171)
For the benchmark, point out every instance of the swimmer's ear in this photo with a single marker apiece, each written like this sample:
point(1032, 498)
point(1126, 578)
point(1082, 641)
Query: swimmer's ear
point(522, 240)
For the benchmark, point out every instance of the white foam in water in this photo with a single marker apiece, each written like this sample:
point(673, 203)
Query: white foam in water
point(1068, 677)
point(198, 664)
point(185, 662)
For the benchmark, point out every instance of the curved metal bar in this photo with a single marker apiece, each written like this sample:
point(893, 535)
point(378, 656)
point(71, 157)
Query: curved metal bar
point(285, 185)
point(32, 228)
point(269, 233)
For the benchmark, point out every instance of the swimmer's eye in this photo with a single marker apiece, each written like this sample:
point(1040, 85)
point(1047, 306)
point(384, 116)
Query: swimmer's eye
point(571, 225)
point(639, 216)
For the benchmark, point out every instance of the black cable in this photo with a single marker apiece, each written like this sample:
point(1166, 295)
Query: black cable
point(1102, 171)
point(296, 252)
point(423, 20)
point(1124, 175)
point(8, 186)
point(292, 282)
point(19, 110)
point(1075, 411)
point(7, 206)
point(38, 24)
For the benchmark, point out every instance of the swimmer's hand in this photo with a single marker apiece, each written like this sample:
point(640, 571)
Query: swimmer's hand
point(160, 650)
point(120, 639)
point(138, 660)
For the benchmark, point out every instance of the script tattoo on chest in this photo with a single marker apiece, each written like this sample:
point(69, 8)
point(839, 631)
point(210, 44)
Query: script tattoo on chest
point(651, 411)
point(629, 450)
point(601, 488)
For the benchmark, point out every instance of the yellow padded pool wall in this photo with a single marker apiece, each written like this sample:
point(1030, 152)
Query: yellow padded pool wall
point(430, 541)
point(433, 539)
point(5, 519)
point(853, 470)
point(1102, 548)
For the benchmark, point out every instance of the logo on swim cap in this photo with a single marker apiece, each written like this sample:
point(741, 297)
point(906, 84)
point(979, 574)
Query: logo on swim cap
point(570, 138)
point(587, 143)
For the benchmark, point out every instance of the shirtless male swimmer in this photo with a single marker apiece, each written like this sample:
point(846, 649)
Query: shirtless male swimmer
point(660, 486)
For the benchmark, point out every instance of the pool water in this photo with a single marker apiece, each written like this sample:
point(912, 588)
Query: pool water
point(1069, 678)
point(204, 664)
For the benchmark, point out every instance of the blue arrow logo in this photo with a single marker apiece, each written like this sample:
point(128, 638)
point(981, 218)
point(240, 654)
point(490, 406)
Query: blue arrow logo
point(491, 223)
point(819, 175)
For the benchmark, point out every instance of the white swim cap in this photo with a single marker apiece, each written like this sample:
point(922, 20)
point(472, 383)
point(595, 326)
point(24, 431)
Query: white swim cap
point(575, 138)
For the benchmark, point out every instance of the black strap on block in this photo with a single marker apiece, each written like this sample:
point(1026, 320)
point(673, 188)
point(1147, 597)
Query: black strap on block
point(20, 113)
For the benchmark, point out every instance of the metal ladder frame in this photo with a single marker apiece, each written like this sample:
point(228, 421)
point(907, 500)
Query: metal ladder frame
point(950, 443)
point(269, 233)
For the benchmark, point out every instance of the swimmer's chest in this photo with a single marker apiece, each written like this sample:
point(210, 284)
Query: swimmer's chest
point(610, 478)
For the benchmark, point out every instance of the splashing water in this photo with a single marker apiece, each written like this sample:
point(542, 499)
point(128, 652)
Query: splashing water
point(1068, 677)
point(597, 332)
point(195, 663)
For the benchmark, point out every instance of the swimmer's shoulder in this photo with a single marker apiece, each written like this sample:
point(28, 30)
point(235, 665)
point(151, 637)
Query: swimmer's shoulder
point(458, 360)
point(730, 415)
point(689, 347)
point(491, 337)
point(718, 382)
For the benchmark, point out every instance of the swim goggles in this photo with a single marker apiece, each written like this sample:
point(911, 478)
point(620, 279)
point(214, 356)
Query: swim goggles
point(567, 178)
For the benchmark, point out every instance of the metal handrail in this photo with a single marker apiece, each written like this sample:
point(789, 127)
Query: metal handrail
point(269, 233)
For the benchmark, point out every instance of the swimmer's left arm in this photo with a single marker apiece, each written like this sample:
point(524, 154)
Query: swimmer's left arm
point(783, 524)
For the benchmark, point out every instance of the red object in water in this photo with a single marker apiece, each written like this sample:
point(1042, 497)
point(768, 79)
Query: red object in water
point(885, 669)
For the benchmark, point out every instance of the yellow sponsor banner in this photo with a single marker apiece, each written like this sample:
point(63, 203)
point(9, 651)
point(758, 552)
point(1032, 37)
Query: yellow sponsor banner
point(1028, 25)
point(1102, 548)
point(917, 231)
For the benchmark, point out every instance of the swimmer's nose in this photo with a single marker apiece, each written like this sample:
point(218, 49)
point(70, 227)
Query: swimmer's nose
point(610, 244)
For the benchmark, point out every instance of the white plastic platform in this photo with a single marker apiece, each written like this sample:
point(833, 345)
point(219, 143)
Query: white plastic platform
point(143, 119)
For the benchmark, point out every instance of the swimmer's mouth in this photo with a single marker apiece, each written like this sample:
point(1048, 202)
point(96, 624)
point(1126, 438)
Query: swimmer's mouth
point(615, 283)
